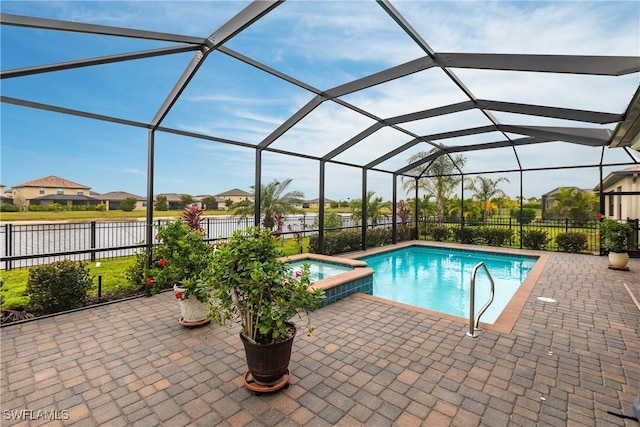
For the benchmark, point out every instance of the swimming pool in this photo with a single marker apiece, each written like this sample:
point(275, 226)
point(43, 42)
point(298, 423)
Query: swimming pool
point(438, 278)
point(319, 270)
point(337, 277)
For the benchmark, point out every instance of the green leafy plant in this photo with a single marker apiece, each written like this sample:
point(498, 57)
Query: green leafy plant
point(466, 235)
point(61, 285)
point(439, 233)
point(128, 204)
point(8, 207)
point(255, 288)
point(337, 242)
point(494, 236)
point(524, 216)
point(534, 239)
point(331, 221)
point(161, 203)
point(571, 242)
point(181, 256)
point(615, 236)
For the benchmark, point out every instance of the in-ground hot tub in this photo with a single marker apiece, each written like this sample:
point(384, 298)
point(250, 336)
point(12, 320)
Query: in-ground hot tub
point(338, 277)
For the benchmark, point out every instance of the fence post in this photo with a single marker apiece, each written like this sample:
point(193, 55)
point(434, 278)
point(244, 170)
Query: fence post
point(8, 244)
point(92, 239)
point(566, 225)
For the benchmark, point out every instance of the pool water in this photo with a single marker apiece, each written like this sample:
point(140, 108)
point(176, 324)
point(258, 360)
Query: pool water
point(438, 279)
point(320, 270)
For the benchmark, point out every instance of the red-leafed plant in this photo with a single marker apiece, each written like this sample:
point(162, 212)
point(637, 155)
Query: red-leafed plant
point(192, 216)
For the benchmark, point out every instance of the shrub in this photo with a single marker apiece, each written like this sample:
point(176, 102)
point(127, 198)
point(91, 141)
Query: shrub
point(534, 205)
point(423, 229)
point(615, 236)
point(331, 221)
point(378, 237)
point(181, 255)
point(523, 217)
point(571, 242)
point(136, 272)
point(494, 236)
point(534, 239)
point(337, 242)
point(101, 207)
point(8, 207)
point(59, 286)
point(161, 203)
point(465, 235)
point(439, 233)
point(128, 204)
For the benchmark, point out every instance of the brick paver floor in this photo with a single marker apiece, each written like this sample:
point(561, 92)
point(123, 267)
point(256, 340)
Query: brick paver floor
point(574, 362)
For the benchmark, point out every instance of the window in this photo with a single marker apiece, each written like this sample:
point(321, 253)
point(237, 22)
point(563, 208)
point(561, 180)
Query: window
point(619, 189)
point(611, 202)
point(80, 193)
point(41, 190)
point(60, 191)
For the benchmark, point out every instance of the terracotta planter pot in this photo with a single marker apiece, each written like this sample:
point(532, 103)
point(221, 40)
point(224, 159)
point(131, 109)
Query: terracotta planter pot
point(268, 363)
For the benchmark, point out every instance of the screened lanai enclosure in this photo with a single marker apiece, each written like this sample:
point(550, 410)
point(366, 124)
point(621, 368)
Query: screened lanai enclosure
point(343, 97)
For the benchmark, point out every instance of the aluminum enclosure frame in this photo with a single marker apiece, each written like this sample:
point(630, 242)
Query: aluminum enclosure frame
point(625, 134)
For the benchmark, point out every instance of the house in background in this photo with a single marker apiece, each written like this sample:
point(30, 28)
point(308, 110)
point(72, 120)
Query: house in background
point(623, 205)
point(52, 189)
point(315, 203)
point(232, 197)
point(5, 197)
point(199, 200)
point(548, 198)
point(174, 200)
point(113, 200)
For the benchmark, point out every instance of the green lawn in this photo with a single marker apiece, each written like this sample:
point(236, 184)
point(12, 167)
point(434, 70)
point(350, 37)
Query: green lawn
point(112, 271)
point(14, 282)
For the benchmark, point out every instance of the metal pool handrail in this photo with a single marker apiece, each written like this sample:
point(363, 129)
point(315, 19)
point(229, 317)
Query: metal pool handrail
point(475, 320)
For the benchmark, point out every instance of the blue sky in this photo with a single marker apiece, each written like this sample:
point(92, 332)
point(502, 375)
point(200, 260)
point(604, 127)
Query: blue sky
point(324, 44)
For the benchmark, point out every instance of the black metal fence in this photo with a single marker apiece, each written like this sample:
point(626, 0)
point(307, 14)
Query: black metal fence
point(25, 245)
point(33, 244)
point(552, 228)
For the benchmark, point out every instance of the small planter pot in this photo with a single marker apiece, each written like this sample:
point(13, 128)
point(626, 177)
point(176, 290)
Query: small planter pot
point(194, 312)
point(618, 260)
point(268, 363)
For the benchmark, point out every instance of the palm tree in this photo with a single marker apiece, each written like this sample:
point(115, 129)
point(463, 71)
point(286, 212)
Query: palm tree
point(274, 201)
point(426, 207)
point(574, 203)
point(374, 208)
point(440, 182)
point(485, 190)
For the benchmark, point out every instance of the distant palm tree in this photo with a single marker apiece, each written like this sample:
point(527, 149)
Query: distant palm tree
point(426, 207)
point(571, 202)
point(374, 208)
point(485, 190)
point(274, 201)
point(440, 182)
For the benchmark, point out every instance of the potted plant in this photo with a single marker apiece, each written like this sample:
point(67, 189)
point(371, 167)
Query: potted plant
point(615, 237)
point(254, 287)
point(180, 259)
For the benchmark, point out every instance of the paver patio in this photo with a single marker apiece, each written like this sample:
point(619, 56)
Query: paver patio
point(574, 362)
